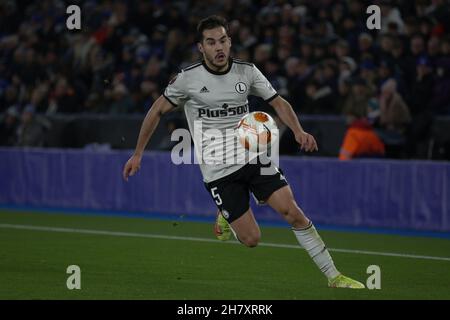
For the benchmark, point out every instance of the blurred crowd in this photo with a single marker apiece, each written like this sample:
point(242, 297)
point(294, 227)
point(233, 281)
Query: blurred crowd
point(317, 53)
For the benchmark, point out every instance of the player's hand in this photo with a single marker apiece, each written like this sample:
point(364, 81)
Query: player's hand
point(131, 167)
point(306, 142)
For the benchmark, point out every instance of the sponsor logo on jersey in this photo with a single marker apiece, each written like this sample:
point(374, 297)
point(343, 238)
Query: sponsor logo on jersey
point(222, 112)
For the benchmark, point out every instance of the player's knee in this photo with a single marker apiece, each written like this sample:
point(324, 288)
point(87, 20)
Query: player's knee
point(251, 240)
point(289, 208)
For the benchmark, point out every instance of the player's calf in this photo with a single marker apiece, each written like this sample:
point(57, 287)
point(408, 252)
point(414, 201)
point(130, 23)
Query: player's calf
point(282, 201)
point(294, 215)
point(246, 229)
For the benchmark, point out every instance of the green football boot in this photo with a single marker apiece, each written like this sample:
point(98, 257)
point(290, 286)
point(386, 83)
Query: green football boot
point(342, 281)
point(221, 228)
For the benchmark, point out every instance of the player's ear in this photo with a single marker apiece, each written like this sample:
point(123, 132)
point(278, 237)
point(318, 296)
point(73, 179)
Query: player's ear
point(200, 47)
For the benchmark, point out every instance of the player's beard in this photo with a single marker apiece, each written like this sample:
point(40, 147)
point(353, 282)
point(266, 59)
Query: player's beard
point(219, 66)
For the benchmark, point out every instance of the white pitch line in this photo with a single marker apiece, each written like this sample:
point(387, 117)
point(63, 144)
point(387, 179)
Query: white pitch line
point(166, 237)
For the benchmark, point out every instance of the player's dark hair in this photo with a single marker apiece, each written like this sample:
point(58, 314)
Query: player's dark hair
point(210, 22)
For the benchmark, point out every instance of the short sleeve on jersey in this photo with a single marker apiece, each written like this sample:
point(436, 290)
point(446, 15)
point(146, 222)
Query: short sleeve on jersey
point(175, 91)
point(261, 87)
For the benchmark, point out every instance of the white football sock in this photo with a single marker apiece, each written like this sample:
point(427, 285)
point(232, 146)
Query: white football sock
point(311, 241)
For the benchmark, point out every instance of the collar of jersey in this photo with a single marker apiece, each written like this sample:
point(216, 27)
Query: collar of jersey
point(230, 63)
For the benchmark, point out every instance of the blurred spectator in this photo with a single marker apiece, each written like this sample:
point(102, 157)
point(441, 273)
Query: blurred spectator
point(445, 46)
point(62, 72)
point(63, 98)
point(319, 99)
point(440, 99)
point(8, 127)
point(10, 97)
point(394, 119)
point(417, 45)
point(386, 43)
point(416, 50)
point(360, 141)
point(421, 113)
point(357, 102)
point(121, 102)
point(273, 74)
point(411, 26)
point(148, 94)
point(387, 70)
point(400, 63)
point(347, 67)
point(343, 92)
point(391, 17)
point(297, 72)
point(422, 87)
point(94, 104)
point(262, 54)
point(365, 45)
point(31, 130)
point(394, 113)
point(433, 49)
point(128, 50)
point(342, 49)
point(367, 71)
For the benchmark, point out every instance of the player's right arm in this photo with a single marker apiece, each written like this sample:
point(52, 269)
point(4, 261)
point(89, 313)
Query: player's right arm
point(151, 121)
point(174, 95)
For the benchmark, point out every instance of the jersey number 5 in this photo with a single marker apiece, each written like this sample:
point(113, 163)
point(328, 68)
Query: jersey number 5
point(216, 196)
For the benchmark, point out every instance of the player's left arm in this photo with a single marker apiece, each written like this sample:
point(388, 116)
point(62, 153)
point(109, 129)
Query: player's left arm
point(289, 118)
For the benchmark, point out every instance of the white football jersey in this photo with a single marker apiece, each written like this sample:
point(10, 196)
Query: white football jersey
point(215, 102)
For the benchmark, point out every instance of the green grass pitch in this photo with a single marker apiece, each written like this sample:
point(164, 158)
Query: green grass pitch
point(134, 258)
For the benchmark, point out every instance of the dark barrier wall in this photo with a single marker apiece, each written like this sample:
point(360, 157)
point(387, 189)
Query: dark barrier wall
point(121, 131)
point(370, 193)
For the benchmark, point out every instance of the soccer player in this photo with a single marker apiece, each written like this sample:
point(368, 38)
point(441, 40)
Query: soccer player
point(214, 91)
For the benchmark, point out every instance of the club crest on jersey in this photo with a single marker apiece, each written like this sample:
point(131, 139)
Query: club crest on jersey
point(240, 87)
